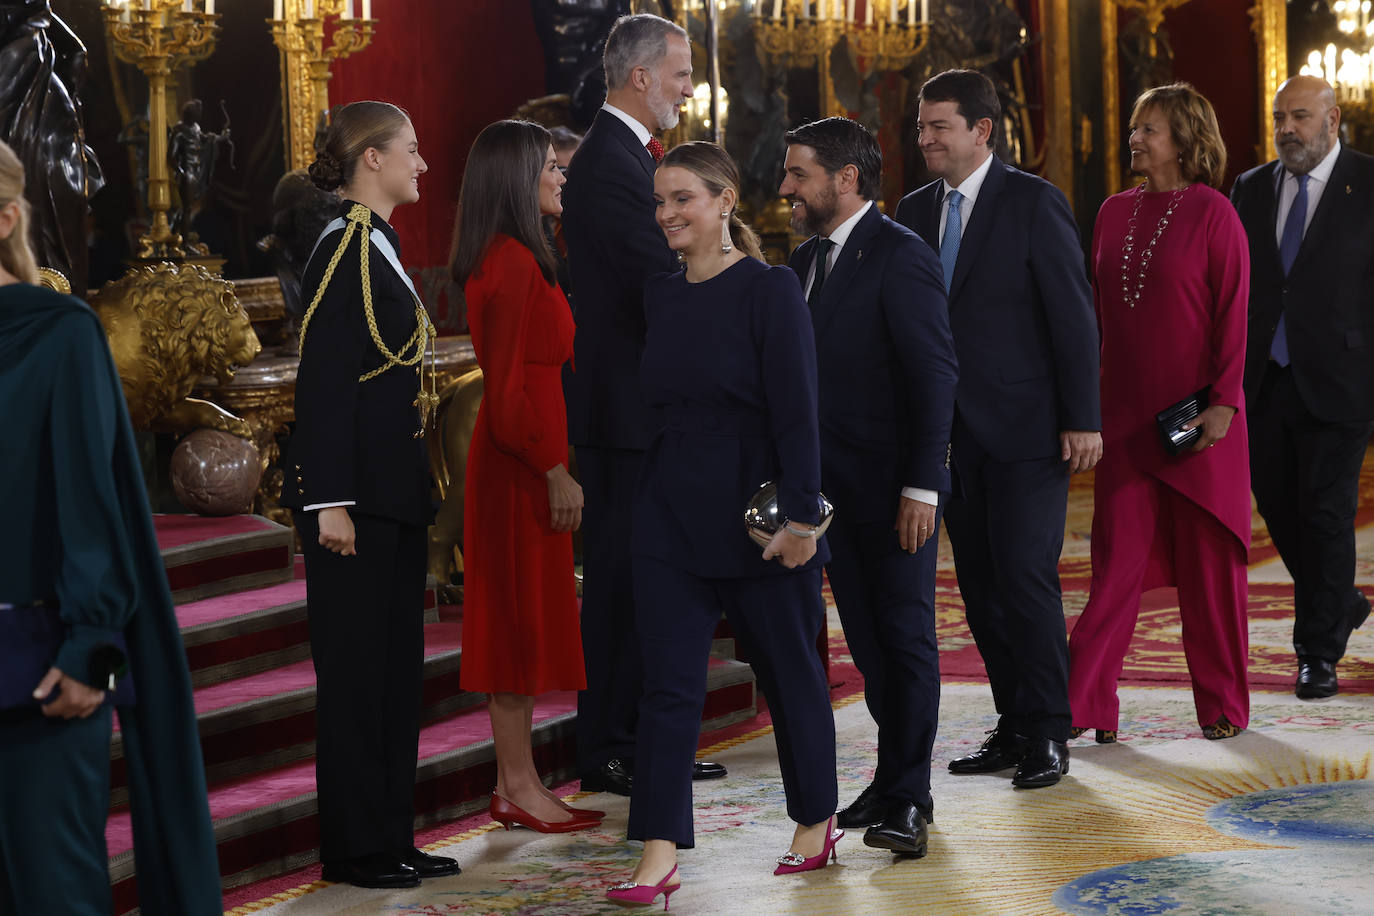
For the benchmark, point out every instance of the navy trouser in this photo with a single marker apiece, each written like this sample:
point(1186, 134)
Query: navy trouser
point(607, 709)
point(367, 640)
point(54, 799)
point(886, 600)
point(777, 620)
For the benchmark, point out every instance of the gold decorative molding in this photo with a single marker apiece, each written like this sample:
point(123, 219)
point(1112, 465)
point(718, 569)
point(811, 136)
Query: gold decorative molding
point(1058, 96)
point(298, 29)
point(1111, 96)
point(1269, 22)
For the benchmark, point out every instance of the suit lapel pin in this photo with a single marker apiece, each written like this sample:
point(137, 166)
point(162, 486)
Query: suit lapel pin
point(1348, 192)
point(860, 255)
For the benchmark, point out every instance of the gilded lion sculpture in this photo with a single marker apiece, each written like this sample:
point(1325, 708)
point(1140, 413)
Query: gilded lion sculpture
point(170, 326)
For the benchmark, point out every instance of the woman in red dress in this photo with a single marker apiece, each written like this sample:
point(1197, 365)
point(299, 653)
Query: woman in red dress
point(1171, 269)
point(520, 619)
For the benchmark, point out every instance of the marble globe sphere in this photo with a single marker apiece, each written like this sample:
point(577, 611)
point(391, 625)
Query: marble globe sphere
point(215, 473)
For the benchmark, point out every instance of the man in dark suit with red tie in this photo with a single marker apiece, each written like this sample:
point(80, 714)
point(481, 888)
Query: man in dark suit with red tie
point(1027, 412)
point(614, 245)
point(887, 375)
point(1309, 363)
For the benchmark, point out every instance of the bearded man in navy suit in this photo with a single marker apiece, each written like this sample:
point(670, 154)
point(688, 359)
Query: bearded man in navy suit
point(1027, 413)
point(614, 246)
point(1309, 364)
point(887, 374)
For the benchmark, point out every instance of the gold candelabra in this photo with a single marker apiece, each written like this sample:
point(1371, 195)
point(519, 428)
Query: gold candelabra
point(157, 37)
point(298, 28)
point(880, 34)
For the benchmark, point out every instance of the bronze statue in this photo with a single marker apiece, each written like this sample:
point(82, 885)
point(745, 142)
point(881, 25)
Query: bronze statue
point(42, 70)
point(170, 326)
point(300, 211)
point(193, 153)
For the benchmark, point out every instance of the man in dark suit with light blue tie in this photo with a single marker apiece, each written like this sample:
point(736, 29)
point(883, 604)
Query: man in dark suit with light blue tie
point(1309, 363)
point(887, 375)
point(1026, 416)
point(614, 246)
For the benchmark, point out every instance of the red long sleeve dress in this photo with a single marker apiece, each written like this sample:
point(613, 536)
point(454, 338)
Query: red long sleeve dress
point(520, 618)
point(1161, 520)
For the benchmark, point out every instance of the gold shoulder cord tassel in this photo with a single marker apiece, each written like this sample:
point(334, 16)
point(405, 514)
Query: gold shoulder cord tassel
point(360, 218)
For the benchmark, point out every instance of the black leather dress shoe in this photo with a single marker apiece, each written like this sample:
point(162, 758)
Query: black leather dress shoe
point(903, 831)
point(705, 769)
point(1045, 761)
point(615, 776)
point(376, 870)
point(428, 866)
point(1316, 678)
point(1001, 750)
point(865, 811)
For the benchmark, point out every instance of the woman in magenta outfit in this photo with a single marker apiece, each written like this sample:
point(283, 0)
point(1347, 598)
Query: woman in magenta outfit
point(1171, 270)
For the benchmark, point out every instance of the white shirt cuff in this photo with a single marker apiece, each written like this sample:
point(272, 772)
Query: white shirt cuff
point(929, 497)
point(313, 506)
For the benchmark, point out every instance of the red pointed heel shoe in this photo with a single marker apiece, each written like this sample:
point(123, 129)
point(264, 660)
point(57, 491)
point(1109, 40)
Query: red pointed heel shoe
point(627, 893)
point(503, 812)
point(793, 862)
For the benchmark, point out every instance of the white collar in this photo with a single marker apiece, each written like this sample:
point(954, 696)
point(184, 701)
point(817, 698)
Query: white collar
point(641, 132)
point(971, 185)
point(841, 233)
point(1322, 170)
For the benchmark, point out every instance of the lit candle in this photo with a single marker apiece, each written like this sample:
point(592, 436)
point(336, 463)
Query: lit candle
point(925, 17)
point(806, 9)
point(186, 6)
point(210, 7)
point(892, 11)
point(309, 9)
point(146, 4)
point(849, 11)
point(777, 9)
point(277, 13)
point(868, 11)
point(367, 14)
point(910, 12)
point(347, 10)
point(837, 11)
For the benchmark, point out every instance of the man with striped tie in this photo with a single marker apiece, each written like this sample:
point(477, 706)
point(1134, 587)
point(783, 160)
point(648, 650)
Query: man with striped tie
point(1026, 416)
point(1309, 363)
point(887, 374)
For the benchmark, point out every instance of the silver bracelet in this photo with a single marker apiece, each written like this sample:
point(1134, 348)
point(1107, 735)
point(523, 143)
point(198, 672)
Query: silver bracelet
point(799, 532)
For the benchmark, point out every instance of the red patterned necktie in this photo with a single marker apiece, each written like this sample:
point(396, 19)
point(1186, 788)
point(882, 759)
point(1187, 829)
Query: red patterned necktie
point(655, 149)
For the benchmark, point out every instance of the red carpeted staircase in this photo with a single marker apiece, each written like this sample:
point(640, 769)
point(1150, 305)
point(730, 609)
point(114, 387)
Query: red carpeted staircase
point(241, 605)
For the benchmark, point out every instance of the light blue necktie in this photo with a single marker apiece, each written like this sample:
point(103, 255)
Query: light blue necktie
point(1289, 243)
point(954, 231)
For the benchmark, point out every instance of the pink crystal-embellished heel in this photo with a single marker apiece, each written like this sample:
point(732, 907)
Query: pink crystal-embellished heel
point(793, 862)
point(627, 893)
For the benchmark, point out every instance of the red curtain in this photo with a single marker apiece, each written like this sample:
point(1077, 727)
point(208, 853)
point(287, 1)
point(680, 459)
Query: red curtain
point(456, 67)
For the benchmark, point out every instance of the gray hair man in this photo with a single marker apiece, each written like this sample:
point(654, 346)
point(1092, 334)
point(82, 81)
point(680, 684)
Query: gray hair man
point(614, 245)
point(1309, 363)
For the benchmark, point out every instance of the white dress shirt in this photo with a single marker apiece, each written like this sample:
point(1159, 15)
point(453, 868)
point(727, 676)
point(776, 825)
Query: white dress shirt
point(640, 130)
point(839, 237)
point(970, 188)
point(1316, 184)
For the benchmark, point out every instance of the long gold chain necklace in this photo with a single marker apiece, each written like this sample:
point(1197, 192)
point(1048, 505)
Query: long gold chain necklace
point(1132, 297)
point(359, 219)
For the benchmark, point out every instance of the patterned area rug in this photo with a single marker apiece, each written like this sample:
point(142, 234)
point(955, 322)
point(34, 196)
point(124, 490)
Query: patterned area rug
point(1278, 820)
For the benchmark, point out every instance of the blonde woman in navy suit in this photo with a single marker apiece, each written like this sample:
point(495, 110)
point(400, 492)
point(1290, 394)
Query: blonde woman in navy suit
point(730, 372)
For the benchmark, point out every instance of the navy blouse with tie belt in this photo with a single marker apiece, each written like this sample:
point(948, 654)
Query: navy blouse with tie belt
point(729, 370)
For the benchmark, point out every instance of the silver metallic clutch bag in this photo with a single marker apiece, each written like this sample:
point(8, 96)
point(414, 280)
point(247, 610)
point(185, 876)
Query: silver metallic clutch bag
point(762, 520)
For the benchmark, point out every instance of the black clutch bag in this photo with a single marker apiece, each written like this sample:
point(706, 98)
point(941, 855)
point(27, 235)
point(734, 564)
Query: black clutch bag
point(1171, 420)
point(30, 637)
